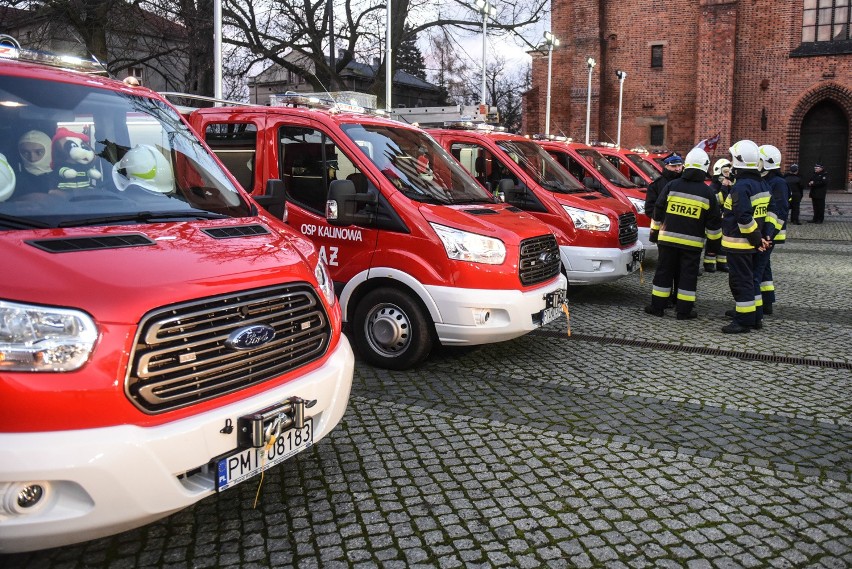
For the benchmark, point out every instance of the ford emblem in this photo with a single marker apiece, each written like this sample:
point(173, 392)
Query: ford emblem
point(547, 257)
point(250, 337)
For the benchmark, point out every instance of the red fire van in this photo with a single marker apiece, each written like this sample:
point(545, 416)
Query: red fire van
point(587, 164)
point(419, 253)
point(597, 235)
point(162, 338)
point(631, 164)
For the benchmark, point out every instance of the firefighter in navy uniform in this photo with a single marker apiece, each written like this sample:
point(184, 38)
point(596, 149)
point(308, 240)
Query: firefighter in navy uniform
point(686, 213)
point(721, 182)
point(742, 233)
point(774, 229)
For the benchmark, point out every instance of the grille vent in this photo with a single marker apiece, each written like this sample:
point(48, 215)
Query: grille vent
point(91, 243)
point(539, 259)
point(233, 231)
point(628, 231)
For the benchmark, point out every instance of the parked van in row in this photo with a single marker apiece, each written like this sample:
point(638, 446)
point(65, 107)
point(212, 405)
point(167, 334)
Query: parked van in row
point(420, 253)
point(597, 235)
point(588, 165)
point(156, 326)
point(631, 164)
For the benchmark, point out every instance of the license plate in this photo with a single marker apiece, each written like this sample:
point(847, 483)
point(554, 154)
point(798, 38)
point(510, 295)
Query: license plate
point(638, 257)
point(244, 464)
point(553, 302)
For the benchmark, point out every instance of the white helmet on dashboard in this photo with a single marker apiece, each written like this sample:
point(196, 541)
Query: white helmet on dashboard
point(745, 154)
point(770, 157)
point(697, 158)
point(146, 167)
point(7, 179)
point(720, 165)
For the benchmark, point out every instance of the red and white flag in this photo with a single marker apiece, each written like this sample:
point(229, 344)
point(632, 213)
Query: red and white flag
point(709, 145)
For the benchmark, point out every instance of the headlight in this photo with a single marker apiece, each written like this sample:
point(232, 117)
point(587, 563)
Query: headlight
point(42, 338)
point(324, 281)
point(465, 246)
point(638, 204)
point(588, 220)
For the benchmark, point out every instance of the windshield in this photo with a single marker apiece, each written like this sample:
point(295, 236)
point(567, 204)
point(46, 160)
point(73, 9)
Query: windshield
point(417, 165)
point(643, 165)
point(605, 167)
point(541, 166)
point(83, 155)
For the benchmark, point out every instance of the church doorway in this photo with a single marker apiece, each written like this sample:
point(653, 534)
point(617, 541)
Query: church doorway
point(825, 140)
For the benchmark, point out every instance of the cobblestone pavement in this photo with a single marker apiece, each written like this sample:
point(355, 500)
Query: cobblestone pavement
point(635, 442)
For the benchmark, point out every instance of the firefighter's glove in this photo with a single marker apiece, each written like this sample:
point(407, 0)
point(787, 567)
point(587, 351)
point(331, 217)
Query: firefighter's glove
point(653, 236)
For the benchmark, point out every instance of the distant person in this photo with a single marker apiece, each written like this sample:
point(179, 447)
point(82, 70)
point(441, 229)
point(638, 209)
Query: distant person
point(818, 186)
point(721, 182)
point(794, 185)
point(672, 169)
point(774, 228)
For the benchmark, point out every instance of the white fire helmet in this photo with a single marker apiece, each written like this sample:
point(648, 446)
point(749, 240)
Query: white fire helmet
point(146, 167)
point(720, 165)
point(745, 154)
point(770, 157)
point(7, 179)
point(697, 158)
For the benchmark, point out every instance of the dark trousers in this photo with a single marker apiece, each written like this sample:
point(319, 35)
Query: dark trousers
point(741, 282)
point(677, 273)
point(764, 288)
point(819, 209)
point(795, 204)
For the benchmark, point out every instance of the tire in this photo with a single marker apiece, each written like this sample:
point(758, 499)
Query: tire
point(391, 330)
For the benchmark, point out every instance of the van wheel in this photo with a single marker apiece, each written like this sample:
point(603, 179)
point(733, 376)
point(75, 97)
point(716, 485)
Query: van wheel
point(391, 330)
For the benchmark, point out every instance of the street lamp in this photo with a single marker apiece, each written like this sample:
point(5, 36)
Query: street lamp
point(551, 41)
point(591, 63)
point(622, 75)
point(486, 9)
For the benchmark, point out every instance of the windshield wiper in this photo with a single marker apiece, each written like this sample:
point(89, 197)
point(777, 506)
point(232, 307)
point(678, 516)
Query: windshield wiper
point(22, 222)
point(472, 200)
point(142, 217)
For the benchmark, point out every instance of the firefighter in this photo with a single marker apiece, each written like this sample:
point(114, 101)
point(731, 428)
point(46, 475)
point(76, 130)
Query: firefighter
point(721, 182)
point(672, 168)
point(742, 234)
point(775, 228)
point(686, 213)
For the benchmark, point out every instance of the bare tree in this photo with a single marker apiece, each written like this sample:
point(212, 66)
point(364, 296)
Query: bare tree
point(273, 29)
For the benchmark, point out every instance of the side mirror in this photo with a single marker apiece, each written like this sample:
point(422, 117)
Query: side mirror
point(343, 203)
point(274, 200)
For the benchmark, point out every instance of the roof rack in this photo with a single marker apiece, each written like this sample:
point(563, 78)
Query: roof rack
point(472, 125)
point(553, 137)
point(11, 49)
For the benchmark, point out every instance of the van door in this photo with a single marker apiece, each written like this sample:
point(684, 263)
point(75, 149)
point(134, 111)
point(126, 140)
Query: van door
point(308, 161)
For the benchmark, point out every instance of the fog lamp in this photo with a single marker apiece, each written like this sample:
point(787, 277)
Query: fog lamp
point(481, 316)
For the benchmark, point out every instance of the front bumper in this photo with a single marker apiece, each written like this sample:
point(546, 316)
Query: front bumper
point(104, 481)
point(511, 313)
point(591, 265)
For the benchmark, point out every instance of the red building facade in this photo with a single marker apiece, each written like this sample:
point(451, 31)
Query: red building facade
point(774, 72)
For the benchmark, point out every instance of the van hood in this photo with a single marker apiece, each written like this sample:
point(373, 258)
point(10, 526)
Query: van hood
point(508, 223)
point(596, 202)
point(119, 273)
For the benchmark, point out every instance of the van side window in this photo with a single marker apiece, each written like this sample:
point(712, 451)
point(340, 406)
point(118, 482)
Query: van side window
point(482, 164)
point(236, 146)
point(309, 162)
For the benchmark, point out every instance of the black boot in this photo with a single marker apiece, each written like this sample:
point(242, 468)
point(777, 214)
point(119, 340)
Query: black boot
point(687, 315)
point(731, 313)
point(654, 311)
point(709, 268)
point(767, 310)
point(735, 328)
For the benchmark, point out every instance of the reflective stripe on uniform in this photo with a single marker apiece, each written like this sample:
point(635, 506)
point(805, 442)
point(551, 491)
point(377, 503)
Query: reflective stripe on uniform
point(722, 258)
point(688, 295)
point(713, 234)
point(746, 306)
point(758, 300)
point(760, 204)
point(748, 227)
point(661, 291)
point(681, 239)
point(736, 243)
point(773, 219)
point(767, 286)
point(655, 225)
point(708, 260)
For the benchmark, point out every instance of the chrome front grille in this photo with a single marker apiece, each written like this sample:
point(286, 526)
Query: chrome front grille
point(628, 230)
point(182, 353)
point(539, 259)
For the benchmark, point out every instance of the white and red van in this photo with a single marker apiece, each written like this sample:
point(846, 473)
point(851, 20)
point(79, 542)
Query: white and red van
point(420, 254)
point(588, 165)
point(597, 235)
point(162, 338)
